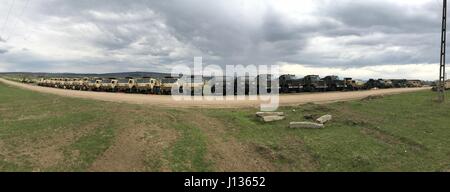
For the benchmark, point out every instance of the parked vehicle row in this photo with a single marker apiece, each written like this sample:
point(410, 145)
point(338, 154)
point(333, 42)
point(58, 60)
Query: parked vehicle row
point(238, 85)
point(313, 83)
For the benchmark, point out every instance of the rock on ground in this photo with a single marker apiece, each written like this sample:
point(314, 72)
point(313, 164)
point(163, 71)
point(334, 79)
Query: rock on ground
point(306, 125)
point(272, 118)
point(324, 119)
point(262, 114)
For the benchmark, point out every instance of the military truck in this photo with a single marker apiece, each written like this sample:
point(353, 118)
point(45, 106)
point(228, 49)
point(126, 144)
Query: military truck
point(334, 83)
point(147, 85)
point(353, 85)
point(268, 82)
point(375, 84)
point(167, 83)
point(313, 83)
point(289, 83)
point(387, 83)
point(71, 83)
point(94, 84)
point(245, 85)
point(123, 85)
point(399, 83)
point(222, 85)
point(446, 85)
point(80, 84)
point(414, 83)
point(107, 85)
point(91, 84)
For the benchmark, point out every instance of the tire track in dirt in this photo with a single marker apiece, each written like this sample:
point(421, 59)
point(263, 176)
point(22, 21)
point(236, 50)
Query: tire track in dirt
point(137, 147)
point(226, 152)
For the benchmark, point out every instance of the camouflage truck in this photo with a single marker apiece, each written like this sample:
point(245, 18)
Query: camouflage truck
point(41, 82)
point(59, 83)
point(147, 85)
point(80, 84)
point(109, 85)
point(67, 84)
point(399, 83)
point(353, 85)
point(245, 85)
point(94, 84)
point(71, 83)
point(375, 84)
point(51, 82)
point(334, 83)
point(313, 83)
point(290, 83)
point(414, 83)
point(124, 85)
point(90, 84)
point(260, 79)
point(168, 82)
point(221, 85)
point(193, 83)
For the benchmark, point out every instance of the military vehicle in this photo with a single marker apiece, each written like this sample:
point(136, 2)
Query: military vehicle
point(94, 84)
point(414, 83)
point(167, 83)
point(399, 83)
point(334, 83)
point(268, 85)
point(107, 84)
point(446, 85)
point(71, 83)
point(313, 83)
point(193, 83)
point(80, 84)
point(375, 84)
point(289, 84)
point(245, 85)
point(222, 85)
point(90, 84)
point(147, 85)
point(353, 85)
point(41, 82)
point(388, 83)
point(59, 83)
point(123, 85)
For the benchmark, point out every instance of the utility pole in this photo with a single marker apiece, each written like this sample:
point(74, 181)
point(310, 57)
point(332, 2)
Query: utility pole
point(441, 85)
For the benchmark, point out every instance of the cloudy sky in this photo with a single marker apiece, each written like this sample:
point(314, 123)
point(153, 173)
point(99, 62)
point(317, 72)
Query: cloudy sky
point(361, 39)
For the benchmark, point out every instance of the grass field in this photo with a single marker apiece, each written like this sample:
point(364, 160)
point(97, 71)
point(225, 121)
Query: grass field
point(41, 132)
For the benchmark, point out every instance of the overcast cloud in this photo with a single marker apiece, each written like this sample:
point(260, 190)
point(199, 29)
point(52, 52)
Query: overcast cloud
point(363, 39)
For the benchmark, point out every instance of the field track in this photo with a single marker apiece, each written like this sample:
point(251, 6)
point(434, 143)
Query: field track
point(164, 100)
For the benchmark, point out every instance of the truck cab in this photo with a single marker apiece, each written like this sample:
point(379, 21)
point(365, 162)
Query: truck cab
point(313, 83)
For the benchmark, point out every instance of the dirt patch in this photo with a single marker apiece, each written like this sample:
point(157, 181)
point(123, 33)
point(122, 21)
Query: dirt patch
point(391, 139)
point(226, 152)
point(372, 97)
point(137, 147)
point(293, 155)
point(45, 152)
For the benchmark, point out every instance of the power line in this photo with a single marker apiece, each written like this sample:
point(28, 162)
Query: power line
point(7, 16)
point(17, 19)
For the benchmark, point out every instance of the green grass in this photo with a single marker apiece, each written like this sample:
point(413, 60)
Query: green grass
point(42, 132)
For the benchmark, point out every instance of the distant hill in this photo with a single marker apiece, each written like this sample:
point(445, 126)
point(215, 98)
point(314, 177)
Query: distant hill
point(102, 75)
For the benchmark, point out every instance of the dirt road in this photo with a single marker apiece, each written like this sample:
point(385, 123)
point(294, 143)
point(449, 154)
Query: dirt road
point(219, 102)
